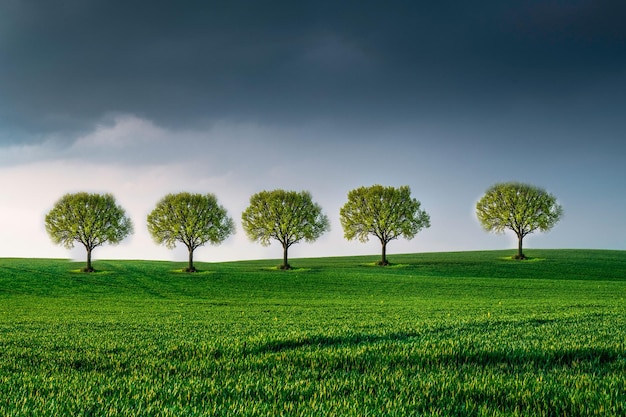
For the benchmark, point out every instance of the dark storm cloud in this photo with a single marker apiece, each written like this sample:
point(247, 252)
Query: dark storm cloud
point(64, 65)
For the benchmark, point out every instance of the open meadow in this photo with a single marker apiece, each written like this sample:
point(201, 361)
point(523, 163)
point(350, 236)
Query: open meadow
point(466, 334)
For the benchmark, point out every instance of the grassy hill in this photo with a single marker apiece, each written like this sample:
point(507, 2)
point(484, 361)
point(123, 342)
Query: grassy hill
point(467, 333)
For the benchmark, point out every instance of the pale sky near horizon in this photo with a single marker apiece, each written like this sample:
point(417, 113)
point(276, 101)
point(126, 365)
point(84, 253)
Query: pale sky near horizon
point(141, 99)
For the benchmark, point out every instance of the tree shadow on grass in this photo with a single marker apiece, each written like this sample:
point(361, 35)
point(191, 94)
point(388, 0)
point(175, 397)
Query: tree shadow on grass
point(389, 265)
point(82, 271)
point(183, 271)
point(467, 355)
point(527, 259)
point(290, 270)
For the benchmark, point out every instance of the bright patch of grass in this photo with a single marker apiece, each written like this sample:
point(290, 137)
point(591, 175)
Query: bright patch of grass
point(462, 333)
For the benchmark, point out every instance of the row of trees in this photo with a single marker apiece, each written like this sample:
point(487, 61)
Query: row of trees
point(289, 217)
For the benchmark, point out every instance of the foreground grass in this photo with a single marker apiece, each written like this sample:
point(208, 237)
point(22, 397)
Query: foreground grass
point(468, 333)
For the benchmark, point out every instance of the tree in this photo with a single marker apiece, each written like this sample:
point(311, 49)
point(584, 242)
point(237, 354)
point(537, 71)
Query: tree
point(90, 219)
point(385, 212)
point(191, 219)
point(286, 216)
point(519, 207)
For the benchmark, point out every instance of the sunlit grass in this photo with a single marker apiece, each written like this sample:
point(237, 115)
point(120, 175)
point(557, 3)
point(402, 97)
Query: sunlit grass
point(463, 333)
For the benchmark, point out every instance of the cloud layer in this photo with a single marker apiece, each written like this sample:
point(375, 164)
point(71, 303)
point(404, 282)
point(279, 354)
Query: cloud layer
point(64, 68)
point(145, 98)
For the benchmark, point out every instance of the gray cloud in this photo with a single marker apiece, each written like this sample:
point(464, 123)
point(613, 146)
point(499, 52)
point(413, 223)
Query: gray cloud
point(142, 98)
point(63, 66)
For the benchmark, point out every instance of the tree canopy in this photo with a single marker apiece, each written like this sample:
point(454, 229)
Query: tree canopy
point(190, 219)
point(519, 207)
point(286, 216)
point(89, 219)
point(384, 212)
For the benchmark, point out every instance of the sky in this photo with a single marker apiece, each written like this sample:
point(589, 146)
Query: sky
point(144, 98)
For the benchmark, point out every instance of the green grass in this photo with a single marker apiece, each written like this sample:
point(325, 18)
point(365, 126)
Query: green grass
point(467, 333)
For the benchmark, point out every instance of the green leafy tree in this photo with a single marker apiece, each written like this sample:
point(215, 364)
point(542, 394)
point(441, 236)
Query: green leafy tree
point(385, 212)
point(191, 219)
point(519, 207)
point(286, 216)
point(90, 219)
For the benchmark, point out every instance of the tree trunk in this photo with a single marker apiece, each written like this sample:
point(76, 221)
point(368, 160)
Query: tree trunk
point(89, 268)
point(190, 268)
point(285, 264)
point(383, 260)
point(520, 253)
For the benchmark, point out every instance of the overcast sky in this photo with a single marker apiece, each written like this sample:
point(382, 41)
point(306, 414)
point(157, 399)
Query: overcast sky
point(144, 98)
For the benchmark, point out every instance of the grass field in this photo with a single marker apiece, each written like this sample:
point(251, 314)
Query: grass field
point(468, 333)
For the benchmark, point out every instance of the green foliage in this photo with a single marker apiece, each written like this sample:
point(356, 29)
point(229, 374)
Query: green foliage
point(286, 216)
point(444, 334)
point(190, 219)
point(90, 219)
point(385, 212)
point(519, 207)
